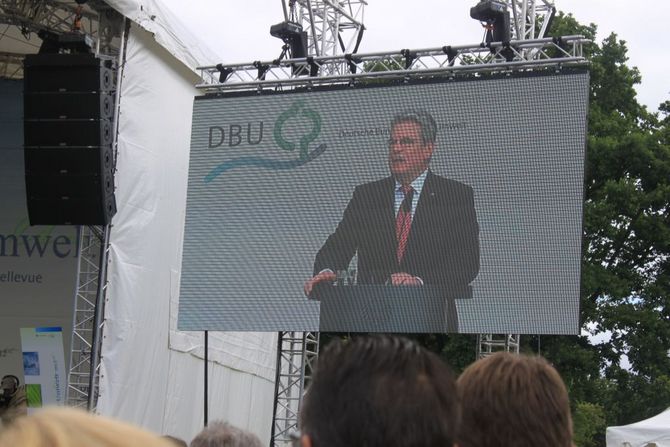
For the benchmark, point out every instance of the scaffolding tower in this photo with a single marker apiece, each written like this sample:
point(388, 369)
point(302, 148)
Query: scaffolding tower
point(333, 27)
point(296, 357)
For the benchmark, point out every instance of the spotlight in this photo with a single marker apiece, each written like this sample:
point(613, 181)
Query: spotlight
point(496, 18)
point(291, 34)
point(224, 73)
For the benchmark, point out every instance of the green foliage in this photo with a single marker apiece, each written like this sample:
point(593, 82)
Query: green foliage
point(589, 422)
point(389, 64)
point(626, 254)
point(394, 63)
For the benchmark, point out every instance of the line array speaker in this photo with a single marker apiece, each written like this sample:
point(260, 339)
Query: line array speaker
point(68, 136)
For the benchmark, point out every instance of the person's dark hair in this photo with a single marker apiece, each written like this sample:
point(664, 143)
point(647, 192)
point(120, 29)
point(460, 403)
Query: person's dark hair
point(513, 400)
point(380, 391)
point(425, 121)
point(222, 434)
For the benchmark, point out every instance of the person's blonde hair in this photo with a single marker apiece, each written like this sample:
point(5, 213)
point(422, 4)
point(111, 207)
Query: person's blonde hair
point(68, 427)
point(513, 400)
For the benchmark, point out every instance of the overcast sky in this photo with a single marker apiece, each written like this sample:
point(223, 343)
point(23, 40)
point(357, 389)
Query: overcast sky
point(238, 31)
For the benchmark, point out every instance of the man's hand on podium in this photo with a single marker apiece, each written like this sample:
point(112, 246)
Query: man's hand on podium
point(405, 279)
point(326, 275)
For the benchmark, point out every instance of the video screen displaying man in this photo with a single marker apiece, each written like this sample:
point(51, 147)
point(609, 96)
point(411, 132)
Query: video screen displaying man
point(412, 228)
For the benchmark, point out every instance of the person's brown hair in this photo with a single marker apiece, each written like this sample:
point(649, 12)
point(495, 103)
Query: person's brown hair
point(513, 400)
point(380, 391)
point(67, 427)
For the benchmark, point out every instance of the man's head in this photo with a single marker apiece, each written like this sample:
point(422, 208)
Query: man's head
point(222, 434)
point(379, 391)
point(411, 145)
point(69, 427)
point(9, 384)
point(514, 400)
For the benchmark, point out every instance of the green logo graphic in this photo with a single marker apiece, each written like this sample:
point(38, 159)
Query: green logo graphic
point(297, 110)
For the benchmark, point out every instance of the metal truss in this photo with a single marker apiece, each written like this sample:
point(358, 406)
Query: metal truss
point(296, 357)
point(488, 344)
point(333, 26)
point(82, 389)
point(9, 64)
point(48, 15)
point(446, 61)
point(530, 19)
point(25, 18)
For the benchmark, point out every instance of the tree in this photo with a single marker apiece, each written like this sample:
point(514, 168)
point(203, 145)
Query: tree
point(626, 262)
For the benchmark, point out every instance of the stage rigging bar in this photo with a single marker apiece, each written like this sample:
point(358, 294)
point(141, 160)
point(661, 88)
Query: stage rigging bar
point(440, 61)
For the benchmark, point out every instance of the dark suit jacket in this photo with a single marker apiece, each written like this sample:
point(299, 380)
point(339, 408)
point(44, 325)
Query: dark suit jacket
point(443, 245)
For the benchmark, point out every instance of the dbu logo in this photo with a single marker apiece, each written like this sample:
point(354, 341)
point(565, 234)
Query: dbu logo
point(288, 138)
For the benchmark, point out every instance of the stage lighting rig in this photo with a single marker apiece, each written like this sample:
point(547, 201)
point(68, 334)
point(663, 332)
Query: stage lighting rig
point(495, 18)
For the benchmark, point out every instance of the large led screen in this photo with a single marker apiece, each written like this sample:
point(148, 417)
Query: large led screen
point(451, 206)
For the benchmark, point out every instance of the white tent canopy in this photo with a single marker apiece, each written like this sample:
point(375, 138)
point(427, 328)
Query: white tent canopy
point(652, 432)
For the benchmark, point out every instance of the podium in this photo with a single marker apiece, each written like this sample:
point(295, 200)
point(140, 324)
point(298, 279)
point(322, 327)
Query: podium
point(386, 308)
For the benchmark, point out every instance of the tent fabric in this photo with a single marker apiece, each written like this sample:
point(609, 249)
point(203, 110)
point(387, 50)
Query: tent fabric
point(142, 379)
point(167, 30)
point(652, 432)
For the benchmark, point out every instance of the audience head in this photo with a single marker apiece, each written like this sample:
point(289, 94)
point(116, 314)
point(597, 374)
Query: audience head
point(513, 400)
point(67, 427)
point(222, 434)
point(9, 384)
point(379, 391)
point(175, 442)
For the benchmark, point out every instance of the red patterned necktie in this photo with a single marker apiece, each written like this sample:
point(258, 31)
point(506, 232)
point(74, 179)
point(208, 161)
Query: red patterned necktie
point(403, 222)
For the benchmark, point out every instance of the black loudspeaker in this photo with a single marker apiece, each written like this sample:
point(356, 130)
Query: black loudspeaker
point(68, 73)
point(68, 137)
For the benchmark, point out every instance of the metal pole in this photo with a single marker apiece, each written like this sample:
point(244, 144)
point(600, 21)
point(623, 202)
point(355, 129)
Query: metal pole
point(97, 321)
point(206, 376)
point(280, 338)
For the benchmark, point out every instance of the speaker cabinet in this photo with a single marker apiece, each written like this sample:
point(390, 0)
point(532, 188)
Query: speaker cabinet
point(68, 139)
point(68, 73)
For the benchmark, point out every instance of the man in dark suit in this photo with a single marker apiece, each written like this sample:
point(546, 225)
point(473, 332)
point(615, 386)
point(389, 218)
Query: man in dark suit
point(409, 229)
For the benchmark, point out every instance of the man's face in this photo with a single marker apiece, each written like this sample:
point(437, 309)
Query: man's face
point(409, 156)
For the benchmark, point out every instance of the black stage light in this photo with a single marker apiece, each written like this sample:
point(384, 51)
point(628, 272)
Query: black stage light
point(494, 13)
point(224, 73)
point(50, 43)
point(293, 36)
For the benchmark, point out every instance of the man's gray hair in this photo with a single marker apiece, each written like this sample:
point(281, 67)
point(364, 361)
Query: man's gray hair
point(424, 119)
point(222, 434)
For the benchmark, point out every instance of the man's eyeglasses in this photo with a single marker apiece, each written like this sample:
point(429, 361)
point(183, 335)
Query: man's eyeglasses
point(402, 141)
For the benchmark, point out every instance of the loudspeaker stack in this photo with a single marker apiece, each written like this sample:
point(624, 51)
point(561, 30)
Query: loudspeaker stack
point(68, 136)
